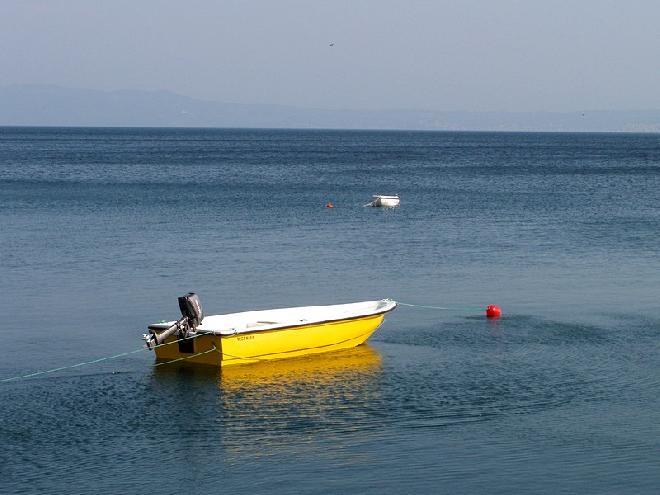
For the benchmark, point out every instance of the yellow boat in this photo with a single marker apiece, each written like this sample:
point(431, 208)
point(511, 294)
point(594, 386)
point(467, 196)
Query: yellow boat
point(257, 336)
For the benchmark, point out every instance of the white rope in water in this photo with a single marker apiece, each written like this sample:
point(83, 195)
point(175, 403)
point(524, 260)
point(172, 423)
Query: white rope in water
point(421, 306)
point(443, 308)
point(106, 358)
point(145, 348)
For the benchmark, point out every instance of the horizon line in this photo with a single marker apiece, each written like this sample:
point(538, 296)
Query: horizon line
point(322, 129)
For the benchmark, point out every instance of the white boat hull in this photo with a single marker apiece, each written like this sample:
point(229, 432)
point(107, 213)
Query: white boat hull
point(385, 201)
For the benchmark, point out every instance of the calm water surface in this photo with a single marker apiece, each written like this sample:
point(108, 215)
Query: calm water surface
point(101, 230)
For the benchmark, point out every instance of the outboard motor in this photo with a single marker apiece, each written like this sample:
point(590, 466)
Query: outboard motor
point(192, 309)
point(191, 318)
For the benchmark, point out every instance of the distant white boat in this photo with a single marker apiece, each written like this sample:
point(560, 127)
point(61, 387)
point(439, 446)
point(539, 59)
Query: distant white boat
point(384, 201)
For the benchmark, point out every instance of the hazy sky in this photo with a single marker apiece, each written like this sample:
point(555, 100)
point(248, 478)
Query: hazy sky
point(440, 55)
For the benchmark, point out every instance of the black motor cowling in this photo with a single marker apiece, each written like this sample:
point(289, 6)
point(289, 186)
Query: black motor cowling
point(192, 309)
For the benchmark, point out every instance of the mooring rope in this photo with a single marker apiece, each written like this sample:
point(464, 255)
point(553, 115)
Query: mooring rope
point(456, 308)
point(105, 358)
point(144, 348)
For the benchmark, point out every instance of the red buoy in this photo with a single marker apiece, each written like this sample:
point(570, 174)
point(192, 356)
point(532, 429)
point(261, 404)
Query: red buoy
point(493, 311)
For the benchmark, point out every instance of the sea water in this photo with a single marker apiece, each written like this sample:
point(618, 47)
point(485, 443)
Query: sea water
point(102, 229)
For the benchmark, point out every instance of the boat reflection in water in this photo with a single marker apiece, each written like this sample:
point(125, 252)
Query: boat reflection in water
point(284, 404)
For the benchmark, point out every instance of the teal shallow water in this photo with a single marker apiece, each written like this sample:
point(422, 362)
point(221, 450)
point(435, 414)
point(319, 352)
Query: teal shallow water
point(103, 228)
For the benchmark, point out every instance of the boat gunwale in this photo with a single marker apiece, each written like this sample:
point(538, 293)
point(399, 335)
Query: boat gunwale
point(300, 326)
point(391, 305)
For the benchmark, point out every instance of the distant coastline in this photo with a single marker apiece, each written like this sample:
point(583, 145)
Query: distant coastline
point(54, 106)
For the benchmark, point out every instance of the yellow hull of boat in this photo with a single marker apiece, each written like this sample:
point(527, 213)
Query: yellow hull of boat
point(255, 347)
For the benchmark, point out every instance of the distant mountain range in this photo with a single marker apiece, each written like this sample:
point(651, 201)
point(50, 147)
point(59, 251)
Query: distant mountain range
point(41, 105)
